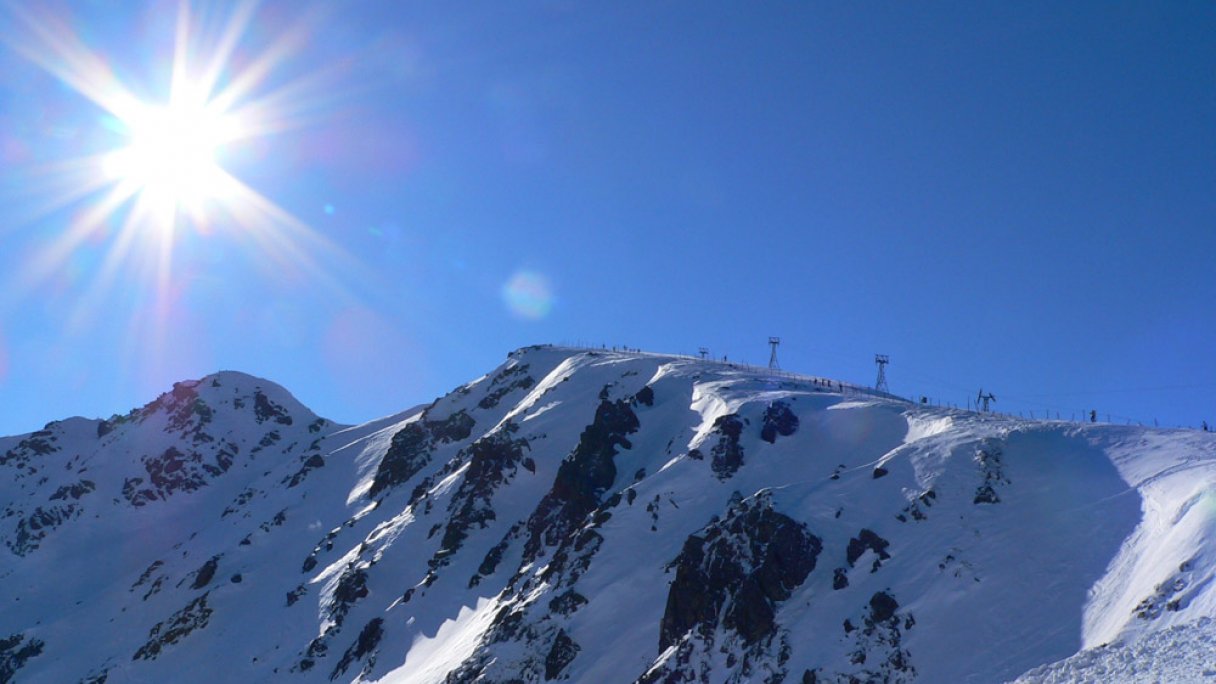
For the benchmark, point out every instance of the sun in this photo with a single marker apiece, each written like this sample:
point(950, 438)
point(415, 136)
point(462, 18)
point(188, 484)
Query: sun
point(171, 160)
point(156, 179)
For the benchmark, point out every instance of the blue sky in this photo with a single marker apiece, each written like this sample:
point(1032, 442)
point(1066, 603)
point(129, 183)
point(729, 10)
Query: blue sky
point(1014, 196)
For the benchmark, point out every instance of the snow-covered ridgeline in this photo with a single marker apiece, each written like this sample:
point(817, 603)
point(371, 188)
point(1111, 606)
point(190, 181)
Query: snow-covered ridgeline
point(589, 515)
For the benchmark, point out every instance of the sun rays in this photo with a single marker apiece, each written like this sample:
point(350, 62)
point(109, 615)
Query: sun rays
point(164, 174)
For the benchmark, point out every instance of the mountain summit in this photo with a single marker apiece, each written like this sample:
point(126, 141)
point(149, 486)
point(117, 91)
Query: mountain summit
point(593, 516)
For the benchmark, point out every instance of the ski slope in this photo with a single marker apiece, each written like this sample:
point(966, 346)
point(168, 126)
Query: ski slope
point(593, 516)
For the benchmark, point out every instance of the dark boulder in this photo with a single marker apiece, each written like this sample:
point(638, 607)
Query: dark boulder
point(778, 420)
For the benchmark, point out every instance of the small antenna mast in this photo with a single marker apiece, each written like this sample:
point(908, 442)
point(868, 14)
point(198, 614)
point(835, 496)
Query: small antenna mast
point(772, 360)
point(703, 351)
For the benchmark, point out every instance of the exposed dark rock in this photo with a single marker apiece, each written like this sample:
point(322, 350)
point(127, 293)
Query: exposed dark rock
point(747, 563)
point(364, 647)
point(15, 650)
point(73, 491)
point(561, 654)
point(173, 471)
point(310, 464)
point(352, 586)
point(146, 575)
point(880, 472)
point(296, 594)
point(916, 509)
point(33, 528)
point(778, 420)
point(410, 448)
point(645, 396)
point(1168, 596)
point(178, 626)
point(277, 521)
point(882, 607)
point(877, 644)
point(992, 469)
point(492, 463)
point(241, 499)
point(727, 455)
point(494, 556)
point(202, 576)
point(730, 579)
point(839, 579)
point(264, 409)
point(136, 496)
point(583, 476)
point(867, 540)
point(567, 603)
point(40, 443)
point(510, 379)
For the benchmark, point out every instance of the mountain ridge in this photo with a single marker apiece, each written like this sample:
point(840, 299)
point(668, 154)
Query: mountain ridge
point(592, 515)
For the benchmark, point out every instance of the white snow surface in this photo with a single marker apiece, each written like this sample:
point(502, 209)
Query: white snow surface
point(226, 533)
point(1181, 654)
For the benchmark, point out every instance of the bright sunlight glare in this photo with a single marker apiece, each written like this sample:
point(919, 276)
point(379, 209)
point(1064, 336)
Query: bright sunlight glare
point(165, 172)
point(172, 156)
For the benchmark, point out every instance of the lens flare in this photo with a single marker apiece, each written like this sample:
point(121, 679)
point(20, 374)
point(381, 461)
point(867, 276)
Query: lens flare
point(528, 295)
point(163, 183)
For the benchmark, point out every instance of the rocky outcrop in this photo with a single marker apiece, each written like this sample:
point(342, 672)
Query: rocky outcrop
point(876, 653)
point(493, 461)
point(778, 420)
point(561, 654)
point(1170, 595)
point(410, 448)
point(15, 650)
point(32, 529)
point(727, 454)
point(583, 477)
point(510, 379)
point(364, 648)
point(25, 456)
point(729, 580)
point(564, 526)
point(993, 473)
point(264, 409)
point(174, 471)
point(867, 540)
point(194, 616)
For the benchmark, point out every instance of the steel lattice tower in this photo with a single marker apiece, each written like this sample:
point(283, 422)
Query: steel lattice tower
point(881, 385)
point(772, 360)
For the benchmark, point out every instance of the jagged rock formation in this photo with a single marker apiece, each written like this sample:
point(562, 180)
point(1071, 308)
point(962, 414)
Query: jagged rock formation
point(586, 516)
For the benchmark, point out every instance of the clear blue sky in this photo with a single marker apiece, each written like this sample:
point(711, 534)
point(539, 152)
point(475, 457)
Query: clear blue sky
point(1014, 196)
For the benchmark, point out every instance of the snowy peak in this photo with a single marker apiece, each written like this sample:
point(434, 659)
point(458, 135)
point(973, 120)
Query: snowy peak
point(592, 515)
point(177, 444)
point(191, 405)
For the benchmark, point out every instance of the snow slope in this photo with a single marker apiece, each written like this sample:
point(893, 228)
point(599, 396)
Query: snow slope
point(592, 516)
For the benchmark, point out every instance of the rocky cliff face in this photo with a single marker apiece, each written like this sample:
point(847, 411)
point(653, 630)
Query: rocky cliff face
point(587, 516)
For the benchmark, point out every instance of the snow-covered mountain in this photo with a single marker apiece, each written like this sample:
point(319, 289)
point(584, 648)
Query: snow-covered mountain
point(593, 516)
